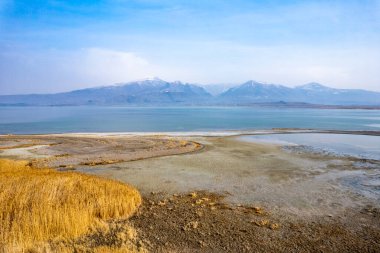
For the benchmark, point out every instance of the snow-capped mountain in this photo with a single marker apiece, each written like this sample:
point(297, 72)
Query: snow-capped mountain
point(149, 91)
point(313, 93)
point(254, 91)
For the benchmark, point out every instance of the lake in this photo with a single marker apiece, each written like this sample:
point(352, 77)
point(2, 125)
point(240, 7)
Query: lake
point(66, 119)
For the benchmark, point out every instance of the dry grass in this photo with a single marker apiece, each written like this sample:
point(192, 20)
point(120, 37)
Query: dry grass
point(40, 205)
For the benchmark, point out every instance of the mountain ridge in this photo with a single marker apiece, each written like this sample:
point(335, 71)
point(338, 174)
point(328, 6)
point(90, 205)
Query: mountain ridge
point(156, 91)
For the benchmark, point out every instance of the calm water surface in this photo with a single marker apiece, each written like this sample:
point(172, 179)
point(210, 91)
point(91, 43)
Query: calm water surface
point(31, 120)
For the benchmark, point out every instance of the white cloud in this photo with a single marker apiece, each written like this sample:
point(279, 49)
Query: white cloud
point(109, 66)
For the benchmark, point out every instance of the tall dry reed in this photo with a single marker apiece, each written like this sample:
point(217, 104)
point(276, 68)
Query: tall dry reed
point(37, 205)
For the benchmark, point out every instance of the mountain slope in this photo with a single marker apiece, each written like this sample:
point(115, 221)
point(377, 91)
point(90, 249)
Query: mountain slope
point(217, 89)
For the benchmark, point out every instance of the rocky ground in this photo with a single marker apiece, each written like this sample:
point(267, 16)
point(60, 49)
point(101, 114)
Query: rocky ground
point(204, 222)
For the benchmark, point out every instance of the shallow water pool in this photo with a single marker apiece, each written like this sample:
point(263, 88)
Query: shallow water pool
point(361, 146)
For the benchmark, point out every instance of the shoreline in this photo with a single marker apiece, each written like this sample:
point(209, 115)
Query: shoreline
point(212, 133)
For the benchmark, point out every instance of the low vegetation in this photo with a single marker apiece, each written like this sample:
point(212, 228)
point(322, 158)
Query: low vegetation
point(43, 205)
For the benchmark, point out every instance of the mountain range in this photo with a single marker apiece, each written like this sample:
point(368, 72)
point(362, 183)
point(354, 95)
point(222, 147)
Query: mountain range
point(159, 92)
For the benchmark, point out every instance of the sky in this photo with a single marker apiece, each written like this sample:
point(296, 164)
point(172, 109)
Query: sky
point(54, 45)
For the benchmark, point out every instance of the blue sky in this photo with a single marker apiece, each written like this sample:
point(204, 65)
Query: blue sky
point(51, 46)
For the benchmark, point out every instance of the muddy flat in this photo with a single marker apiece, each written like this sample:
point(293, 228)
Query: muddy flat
point(68, 152)
point(221, 194)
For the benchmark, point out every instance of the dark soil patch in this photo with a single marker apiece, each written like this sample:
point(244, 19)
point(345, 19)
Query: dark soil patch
point(202, 222)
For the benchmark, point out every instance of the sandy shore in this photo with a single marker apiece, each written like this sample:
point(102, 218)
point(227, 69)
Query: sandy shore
point(307, 200)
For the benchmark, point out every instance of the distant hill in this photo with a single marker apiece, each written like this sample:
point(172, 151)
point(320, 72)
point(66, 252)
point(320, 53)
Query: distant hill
point(160, 92)
point(312, 93)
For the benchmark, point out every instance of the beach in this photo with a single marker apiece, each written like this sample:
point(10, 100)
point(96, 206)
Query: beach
point(216, 192)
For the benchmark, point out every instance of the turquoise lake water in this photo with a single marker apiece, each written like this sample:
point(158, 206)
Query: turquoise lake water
point(32, 120)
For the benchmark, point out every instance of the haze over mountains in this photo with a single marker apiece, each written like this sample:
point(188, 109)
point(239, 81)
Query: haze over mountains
point(159, 92)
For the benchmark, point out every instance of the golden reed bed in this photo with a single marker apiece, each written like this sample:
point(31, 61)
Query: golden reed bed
point(41, 205)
